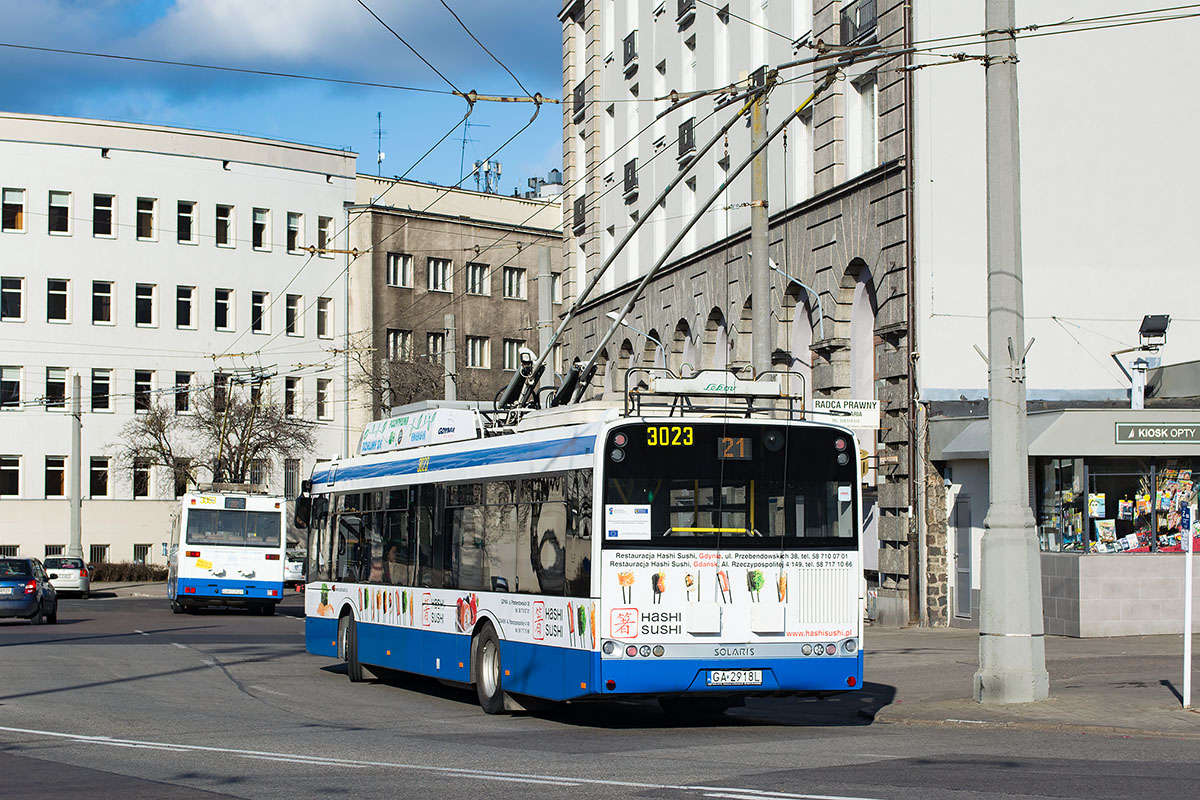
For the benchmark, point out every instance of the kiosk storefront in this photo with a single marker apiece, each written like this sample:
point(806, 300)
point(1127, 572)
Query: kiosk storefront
point(1110, 490)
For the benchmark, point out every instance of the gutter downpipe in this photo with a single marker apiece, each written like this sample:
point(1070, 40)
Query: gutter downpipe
point(916, 453)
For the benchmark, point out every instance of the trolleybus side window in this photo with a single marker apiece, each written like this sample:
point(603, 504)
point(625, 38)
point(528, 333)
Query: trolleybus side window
point(318, 539)
point(397, 550)
point(578, 567)
point(430, 560)
point(500, 537)
point(543, 523)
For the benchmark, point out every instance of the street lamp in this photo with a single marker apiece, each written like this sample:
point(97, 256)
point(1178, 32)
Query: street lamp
point(615, 317)
point(1152, 335)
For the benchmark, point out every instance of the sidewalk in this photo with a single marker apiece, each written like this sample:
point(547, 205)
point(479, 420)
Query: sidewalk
point(1129, 685)
point(150, 589)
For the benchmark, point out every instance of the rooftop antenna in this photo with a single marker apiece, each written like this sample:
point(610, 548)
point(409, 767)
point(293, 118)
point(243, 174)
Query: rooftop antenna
point(379, 132)
point(462, 176)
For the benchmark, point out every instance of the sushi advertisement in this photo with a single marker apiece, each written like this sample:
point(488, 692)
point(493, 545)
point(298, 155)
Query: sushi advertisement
point(565, 622)
point(693, 595)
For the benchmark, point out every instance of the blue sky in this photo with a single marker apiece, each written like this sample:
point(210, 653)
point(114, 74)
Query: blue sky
point(325, 38)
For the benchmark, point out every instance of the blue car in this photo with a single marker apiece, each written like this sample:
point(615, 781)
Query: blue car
point(26, 591)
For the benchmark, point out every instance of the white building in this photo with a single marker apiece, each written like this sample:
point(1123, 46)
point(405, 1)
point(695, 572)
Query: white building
point(877, 207)
point(146, 260)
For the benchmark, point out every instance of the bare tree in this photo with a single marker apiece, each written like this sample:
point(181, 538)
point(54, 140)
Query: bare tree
point(226, 433)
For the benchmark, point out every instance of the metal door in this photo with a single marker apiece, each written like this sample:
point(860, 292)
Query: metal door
point(961, 523)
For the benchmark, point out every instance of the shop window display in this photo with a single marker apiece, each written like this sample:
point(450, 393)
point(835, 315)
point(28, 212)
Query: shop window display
point(1130, 505)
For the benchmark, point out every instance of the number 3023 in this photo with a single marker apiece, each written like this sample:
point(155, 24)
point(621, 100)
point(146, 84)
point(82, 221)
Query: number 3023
point(669, 435)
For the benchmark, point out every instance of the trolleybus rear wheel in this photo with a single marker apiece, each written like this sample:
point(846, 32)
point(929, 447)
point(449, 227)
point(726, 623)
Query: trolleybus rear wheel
point(487, 670)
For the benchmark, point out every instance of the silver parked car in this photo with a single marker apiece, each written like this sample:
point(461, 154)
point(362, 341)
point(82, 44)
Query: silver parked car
point(294, 567)
point(69, 574)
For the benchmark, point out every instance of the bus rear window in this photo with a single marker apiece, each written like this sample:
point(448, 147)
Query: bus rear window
point(235, 528)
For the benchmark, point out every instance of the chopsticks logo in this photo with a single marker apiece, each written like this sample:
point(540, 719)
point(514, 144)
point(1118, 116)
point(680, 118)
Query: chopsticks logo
point(623, 623)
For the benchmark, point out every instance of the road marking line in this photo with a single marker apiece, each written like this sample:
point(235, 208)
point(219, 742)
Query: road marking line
point(180, 646)
point(454, 772)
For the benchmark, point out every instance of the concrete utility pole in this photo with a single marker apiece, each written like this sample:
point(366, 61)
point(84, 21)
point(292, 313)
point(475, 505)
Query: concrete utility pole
point(1012, 651)
point(448, 361)
point(760, 270)
point(75, 548)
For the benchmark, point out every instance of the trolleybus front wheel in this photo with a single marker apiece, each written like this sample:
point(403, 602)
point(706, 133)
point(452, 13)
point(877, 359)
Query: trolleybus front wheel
point(487, 670)
point(348, 639)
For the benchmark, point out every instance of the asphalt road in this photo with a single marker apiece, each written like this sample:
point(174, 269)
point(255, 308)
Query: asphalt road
point(123, 699)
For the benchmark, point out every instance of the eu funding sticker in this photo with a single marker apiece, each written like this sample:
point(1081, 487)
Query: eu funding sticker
point(863, 414)
point(627, 522)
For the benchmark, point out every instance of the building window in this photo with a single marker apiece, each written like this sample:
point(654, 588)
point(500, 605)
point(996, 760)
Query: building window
point(324, 400)
point(143, 385)
point(512, 353)
point(58, 221)
point(180, 474)
point(223, 309)
point(477, 352)
point(56, 387)
point(399, 345)
point(56, 299)
point(103, 212)
point(292, 320)
point(143, 305)
point(56, 470)
point(439, 275)
point(295, 225)
point(435, 347)
point(291, 396)
point(224, 231)
point(141, 477)
point(399, 269)
point(12, 210)
point(98, 554)
point(259, 238)
point(9, 550)
point(145, 218)
point(862, 123)
point(10, 476)
point(98, 477)
point(556, 295)
point(185, 226)
point(514, 283)
point(10, 387)
point(324, 236)
point(12, 299)
point(324, 318)
point(55, 549)
point(102, 303)
point(141, 552)
point(220, 391)
point(183, 392)
point(185, 307)
point(291, 478)
point(258, 313)
point(101, 379)
point(259, 469)
point(477, 279)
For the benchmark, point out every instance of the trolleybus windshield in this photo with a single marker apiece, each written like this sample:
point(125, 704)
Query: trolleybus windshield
point(233, 527)
point(747, 486)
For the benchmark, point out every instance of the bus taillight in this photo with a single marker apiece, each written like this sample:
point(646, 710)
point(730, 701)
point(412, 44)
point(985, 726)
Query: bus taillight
point(192, 554)
point(272, 556)
point(851, 681)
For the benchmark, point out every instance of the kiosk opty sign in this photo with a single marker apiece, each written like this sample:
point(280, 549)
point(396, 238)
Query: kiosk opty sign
point(435, 426)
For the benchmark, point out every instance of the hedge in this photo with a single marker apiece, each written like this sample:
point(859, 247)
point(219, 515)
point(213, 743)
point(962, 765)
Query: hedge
point(127, 572)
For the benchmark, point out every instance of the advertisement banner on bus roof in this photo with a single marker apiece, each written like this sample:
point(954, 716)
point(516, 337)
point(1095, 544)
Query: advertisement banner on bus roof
point(435, 426)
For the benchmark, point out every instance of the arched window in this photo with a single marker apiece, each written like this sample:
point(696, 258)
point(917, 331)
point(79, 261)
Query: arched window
point(716, 342)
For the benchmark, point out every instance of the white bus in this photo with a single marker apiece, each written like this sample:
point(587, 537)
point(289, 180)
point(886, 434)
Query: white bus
point(696, 551)
point(227, 549)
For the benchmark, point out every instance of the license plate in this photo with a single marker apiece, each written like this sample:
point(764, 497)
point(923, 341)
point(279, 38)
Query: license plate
point(6, 590)
point(735, 677)
point(233, 591)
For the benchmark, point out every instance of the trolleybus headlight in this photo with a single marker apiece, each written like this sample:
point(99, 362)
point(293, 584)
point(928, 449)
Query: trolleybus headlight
point(645, 651)
point(773, 441)
point(617, 455)
point(620, 439)
point(610, 647)
point(658, 650)
point(806, 649)
point(839, 444)
point(842, 459)
point(631, 651)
